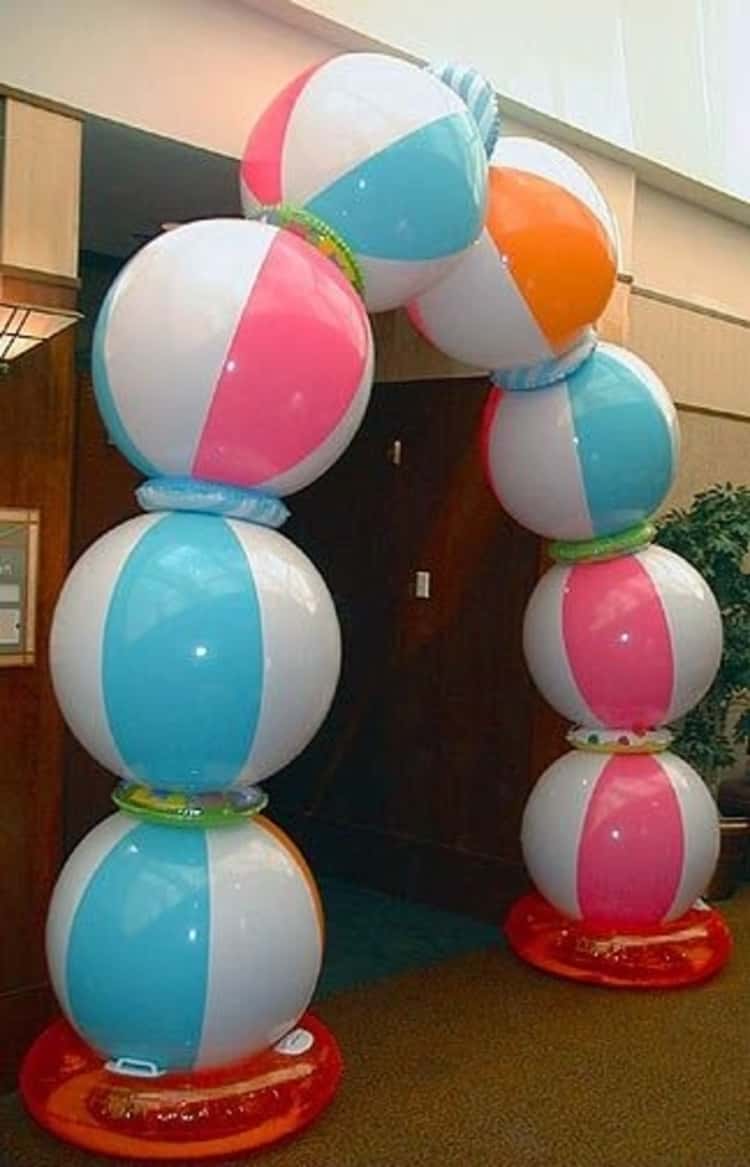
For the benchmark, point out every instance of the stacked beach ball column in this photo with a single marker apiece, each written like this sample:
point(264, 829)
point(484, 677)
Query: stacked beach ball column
point(622, 637)
point(580, 442)
point(195, 650)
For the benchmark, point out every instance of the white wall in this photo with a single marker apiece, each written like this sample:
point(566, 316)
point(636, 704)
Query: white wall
point(666, 79)
point(198, 71)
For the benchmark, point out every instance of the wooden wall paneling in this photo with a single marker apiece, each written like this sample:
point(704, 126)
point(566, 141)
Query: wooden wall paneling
point(23, 287)
point(41, 186)
point(465, 641)
point(36, 441)
point(420, 803)
point(357, 523)
point(342, 522)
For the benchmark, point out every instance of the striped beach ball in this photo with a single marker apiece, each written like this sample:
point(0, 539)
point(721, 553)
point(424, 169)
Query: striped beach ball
point(624, 840)
point(541, 273)
point(477, 92)
point(234, 352)
point(383, 152)
point(591, 455)
point(184, 948)
point(629, 643)
point(194, 653)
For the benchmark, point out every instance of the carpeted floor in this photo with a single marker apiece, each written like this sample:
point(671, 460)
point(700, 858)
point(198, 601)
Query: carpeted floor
point(370, 936)
point(481, 1062)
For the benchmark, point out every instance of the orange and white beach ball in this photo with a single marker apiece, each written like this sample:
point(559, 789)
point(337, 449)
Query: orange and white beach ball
point(541, 272)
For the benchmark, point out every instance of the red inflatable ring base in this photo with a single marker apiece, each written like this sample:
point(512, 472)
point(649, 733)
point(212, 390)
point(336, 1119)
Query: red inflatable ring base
point(204, 1115)
point(665, 956)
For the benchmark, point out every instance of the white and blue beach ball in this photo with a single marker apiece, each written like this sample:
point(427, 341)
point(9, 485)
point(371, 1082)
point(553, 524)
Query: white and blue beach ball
point(193, 652)
point(590, 455)
point(184, 948)
point(387, 155)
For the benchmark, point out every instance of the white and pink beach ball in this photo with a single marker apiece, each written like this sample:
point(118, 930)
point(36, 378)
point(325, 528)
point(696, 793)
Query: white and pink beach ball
point(233, 352)
point(622, 840)
point(630, 643)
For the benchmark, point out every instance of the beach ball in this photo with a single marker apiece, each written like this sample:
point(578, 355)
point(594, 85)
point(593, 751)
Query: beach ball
point(233, 352)
point(541, 273)
point(623, 840)
point(194, 653)
point(628, 643)
point(591, 455)
point(477, 93)
point(383, 152)
point(180, 947)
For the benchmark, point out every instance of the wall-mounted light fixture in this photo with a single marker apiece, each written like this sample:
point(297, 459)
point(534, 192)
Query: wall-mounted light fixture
point(24, 326)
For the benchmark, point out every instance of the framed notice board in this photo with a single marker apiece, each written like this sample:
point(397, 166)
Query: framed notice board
point(19, 568)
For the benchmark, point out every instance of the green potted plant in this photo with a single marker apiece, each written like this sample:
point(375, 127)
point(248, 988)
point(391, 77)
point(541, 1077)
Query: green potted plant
point(713, 534)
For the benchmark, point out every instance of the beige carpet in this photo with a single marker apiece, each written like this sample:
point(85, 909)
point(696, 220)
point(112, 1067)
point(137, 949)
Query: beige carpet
point(482, 1062)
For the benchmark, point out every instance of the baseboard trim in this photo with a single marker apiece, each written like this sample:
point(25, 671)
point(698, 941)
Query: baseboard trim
point(479, 885)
